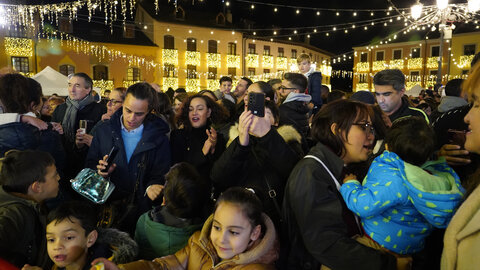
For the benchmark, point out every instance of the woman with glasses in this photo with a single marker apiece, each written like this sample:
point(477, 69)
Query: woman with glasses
point(319, 226)
point(114, 102)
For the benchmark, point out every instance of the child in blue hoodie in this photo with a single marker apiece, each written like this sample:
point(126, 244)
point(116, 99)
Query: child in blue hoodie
point(403, 195)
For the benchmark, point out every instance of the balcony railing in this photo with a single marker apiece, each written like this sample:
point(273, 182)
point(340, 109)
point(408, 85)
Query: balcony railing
point(432, 62)
point(127, 83)
point(170, 57)
point(213, 60)
point(415, 63)
point(465, 61)
point(19, 47)
point(267, 61)
point(192, 58)
point(398, 63)
point(362, 86)
point(252, 60)
point(282, 62)
point(363, 67)
point(233, 61)
point(192, 85)
point(103, 84)
point(170, 82)
point(379, 65)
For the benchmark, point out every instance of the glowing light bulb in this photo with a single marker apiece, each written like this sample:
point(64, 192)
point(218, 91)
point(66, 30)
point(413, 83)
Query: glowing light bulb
point(416, 10)
point(442, 4)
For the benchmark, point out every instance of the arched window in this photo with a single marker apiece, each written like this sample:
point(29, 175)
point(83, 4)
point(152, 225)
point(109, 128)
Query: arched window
point(220, 19)
point(180, 13)
point(212, 46)
point(191, 44)
point(100, 72)
point(168, 42)
point(66, 69)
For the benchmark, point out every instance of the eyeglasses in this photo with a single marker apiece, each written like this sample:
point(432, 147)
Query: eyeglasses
point(367, 127)
point(113, 101)
point(283, 88)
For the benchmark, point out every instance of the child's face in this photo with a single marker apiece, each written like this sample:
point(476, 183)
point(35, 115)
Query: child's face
point(231, 231)
point(49, 188)
point(67, 243)
point(304, 66)
point(226, 87)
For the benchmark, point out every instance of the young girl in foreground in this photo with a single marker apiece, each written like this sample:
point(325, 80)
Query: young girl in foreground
point(237, 236)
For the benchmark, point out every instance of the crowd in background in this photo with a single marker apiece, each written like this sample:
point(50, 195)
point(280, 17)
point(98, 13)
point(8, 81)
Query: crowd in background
point(319, 179)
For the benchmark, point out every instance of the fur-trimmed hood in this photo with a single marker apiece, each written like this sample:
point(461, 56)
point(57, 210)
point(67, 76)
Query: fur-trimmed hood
point(124, 249)
point(263, 250)
point(288, 133)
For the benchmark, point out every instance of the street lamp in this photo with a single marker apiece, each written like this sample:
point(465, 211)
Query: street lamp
point(443, 14)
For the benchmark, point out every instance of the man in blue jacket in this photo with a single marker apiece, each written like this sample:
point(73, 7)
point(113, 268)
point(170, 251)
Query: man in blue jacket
point(142, 155)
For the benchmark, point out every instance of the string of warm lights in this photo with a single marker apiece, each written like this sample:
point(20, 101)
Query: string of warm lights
point(25, 15)
point(389, 9)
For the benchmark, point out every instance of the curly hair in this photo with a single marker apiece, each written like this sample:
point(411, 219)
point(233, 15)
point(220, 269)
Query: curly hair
point(217, 116)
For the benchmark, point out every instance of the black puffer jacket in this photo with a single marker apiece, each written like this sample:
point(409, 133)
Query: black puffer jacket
point(317, 224)
point(267, 158)
point(23, 136)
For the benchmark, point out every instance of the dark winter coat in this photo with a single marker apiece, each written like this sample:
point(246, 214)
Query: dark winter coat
point(406, 110)
point(23, 136)
point(315, 90)
point(22, 231)
point(268, 158)
point(187, 144)
point(153, 149)
point(76, 157)
point(317, 224)
point(295, 113)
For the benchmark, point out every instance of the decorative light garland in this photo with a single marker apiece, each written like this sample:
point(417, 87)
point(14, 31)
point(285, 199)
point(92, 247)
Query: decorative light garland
point(213, 60)
point(212, 84)
point(415, 63)
point(192, 58)
point(170, 57)
point(252, 60)
point(19, 47)
point(379, 65)
point(432, 62)
point(267, 61)
point(192, 85)
point(465, 61)
point(282, 62)
point(363, 66)
point(25, 15)
point(103, 84)
point(362, 86)
point(170, 82)
point(127, 84)
point(398, 63)
point(233, 61)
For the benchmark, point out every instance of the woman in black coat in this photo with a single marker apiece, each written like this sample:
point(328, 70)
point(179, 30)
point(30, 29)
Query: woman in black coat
point(198, 143)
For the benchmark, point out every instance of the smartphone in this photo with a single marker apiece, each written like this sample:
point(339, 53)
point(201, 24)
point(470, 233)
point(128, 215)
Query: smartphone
point(457, 137)
point(256, 104)
point(110, 158)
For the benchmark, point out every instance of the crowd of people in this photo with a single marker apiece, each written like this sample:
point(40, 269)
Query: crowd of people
point(318, 179)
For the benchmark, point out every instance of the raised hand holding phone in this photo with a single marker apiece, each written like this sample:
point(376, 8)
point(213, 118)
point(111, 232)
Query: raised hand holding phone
point(106, 166)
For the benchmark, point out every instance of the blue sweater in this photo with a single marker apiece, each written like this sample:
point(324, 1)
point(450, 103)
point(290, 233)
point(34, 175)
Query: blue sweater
point(399, 203)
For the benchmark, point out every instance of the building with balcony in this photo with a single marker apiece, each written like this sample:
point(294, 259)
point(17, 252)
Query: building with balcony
point(174, 48)
point(418, 60)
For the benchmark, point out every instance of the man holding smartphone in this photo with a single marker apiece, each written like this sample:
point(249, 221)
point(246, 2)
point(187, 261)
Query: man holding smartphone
point(133, 150)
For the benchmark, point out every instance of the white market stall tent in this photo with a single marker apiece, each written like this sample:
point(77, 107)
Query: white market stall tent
point(414, 91)
point(52, 81)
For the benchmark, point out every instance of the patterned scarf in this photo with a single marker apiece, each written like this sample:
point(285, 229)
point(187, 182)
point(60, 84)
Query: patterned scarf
point(70, 118)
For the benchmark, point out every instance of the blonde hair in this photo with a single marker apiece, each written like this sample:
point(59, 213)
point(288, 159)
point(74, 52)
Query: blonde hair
point(303, 57)
point(472, 82)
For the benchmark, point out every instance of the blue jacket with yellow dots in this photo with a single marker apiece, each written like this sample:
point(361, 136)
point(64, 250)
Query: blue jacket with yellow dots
point(399, 203)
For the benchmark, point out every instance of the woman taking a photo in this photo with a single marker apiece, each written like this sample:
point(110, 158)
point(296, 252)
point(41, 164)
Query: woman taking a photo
point(319, 225)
